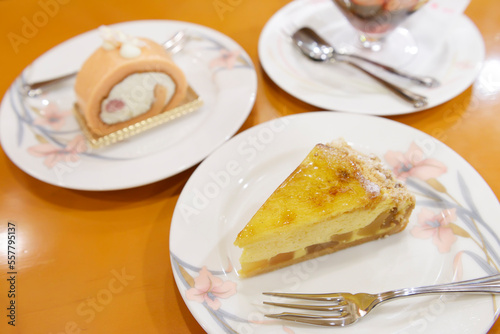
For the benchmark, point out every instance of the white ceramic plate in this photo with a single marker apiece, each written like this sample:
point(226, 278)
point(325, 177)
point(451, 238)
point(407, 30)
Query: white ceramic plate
point(232, 183)
point(216, 67)
point(448, 47)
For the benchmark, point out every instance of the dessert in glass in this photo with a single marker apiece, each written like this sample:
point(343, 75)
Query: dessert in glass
point(375, 19)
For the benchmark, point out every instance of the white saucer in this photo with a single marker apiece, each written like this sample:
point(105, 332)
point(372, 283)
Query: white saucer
point(216, 67)
point(232, 183)
point(450, 49)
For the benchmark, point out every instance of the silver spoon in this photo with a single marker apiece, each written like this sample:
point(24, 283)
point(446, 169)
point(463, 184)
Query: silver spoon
point(316, 48)
point(331, 52)
point(173, 45)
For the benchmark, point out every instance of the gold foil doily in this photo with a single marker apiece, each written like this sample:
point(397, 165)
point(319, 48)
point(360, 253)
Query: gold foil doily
point(190, 103)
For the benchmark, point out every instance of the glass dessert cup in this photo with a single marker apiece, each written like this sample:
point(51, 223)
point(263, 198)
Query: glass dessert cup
point(374, 20)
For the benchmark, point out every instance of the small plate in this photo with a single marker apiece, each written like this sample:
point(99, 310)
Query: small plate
point(233, 182)
point(43, 138)
point(454, 56)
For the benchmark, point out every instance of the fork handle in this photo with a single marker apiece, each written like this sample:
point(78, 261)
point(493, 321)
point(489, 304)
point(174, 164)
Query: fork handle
point(488, 284)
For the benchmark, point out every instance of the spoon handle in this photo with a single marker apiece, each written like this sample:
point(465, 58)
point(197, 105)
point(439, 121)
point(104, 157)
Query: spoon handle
point(420, 80)
point(35, 89)
point(417, 100)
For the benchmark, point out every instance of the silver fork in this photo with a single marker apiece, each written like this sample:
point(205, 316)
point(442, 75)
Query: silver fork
point(173, 45)
point(343, 309)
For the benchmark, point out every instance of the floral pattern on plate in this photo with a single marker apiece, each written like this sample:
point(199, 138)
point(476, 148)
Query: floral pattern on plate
point(54, 126)
point(441, 214)
point(438, 223)
point(43, 138)
point(441, 226)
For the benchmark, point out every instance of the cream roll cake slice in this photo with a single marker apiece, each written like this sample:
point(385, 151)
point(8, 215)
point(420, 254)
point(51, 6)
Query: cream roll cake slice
point(125, 81)
point(336, 198)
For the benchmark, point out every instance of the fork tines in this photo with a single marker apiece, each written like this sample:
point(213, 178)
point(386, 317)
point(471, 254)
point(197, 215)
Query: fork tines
point(320, 320)
point(336, 308)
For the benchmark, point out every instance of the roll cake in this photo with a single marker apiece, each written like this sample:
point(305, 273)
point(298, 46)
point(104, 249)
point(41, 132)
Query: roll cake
point(125, 81)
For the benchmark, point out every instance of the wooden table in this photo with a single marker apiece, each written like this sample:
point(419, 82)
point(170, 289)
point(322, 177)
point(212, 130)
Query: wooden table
point(68, 240)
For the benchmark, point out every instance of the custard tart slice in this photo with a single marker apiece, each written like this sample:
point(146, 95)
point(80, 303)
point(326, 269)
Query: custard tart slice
point(335, 199)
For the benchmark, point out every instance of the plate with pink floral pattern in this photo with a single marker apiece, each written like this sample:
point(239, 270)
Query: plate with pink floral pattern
point(453, 233)
point(42, 137)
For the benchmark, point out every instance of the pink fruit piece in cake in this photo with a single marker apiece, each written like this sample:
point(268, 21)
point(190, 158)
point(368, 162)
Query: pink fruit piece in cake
point(114, 105)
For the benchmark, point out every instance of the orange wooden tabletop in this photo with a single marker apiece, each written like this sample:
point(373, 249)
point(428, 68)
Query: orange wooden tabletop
point(71, 244)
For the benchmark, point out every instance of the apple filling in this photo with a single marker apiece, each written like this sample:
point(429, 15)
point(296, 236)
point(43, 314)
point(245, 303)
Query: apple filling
point(386, 223)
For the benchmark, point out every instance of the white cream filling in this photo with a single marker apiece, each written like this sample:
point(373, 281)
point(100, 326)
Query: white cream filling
point(134, 96)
